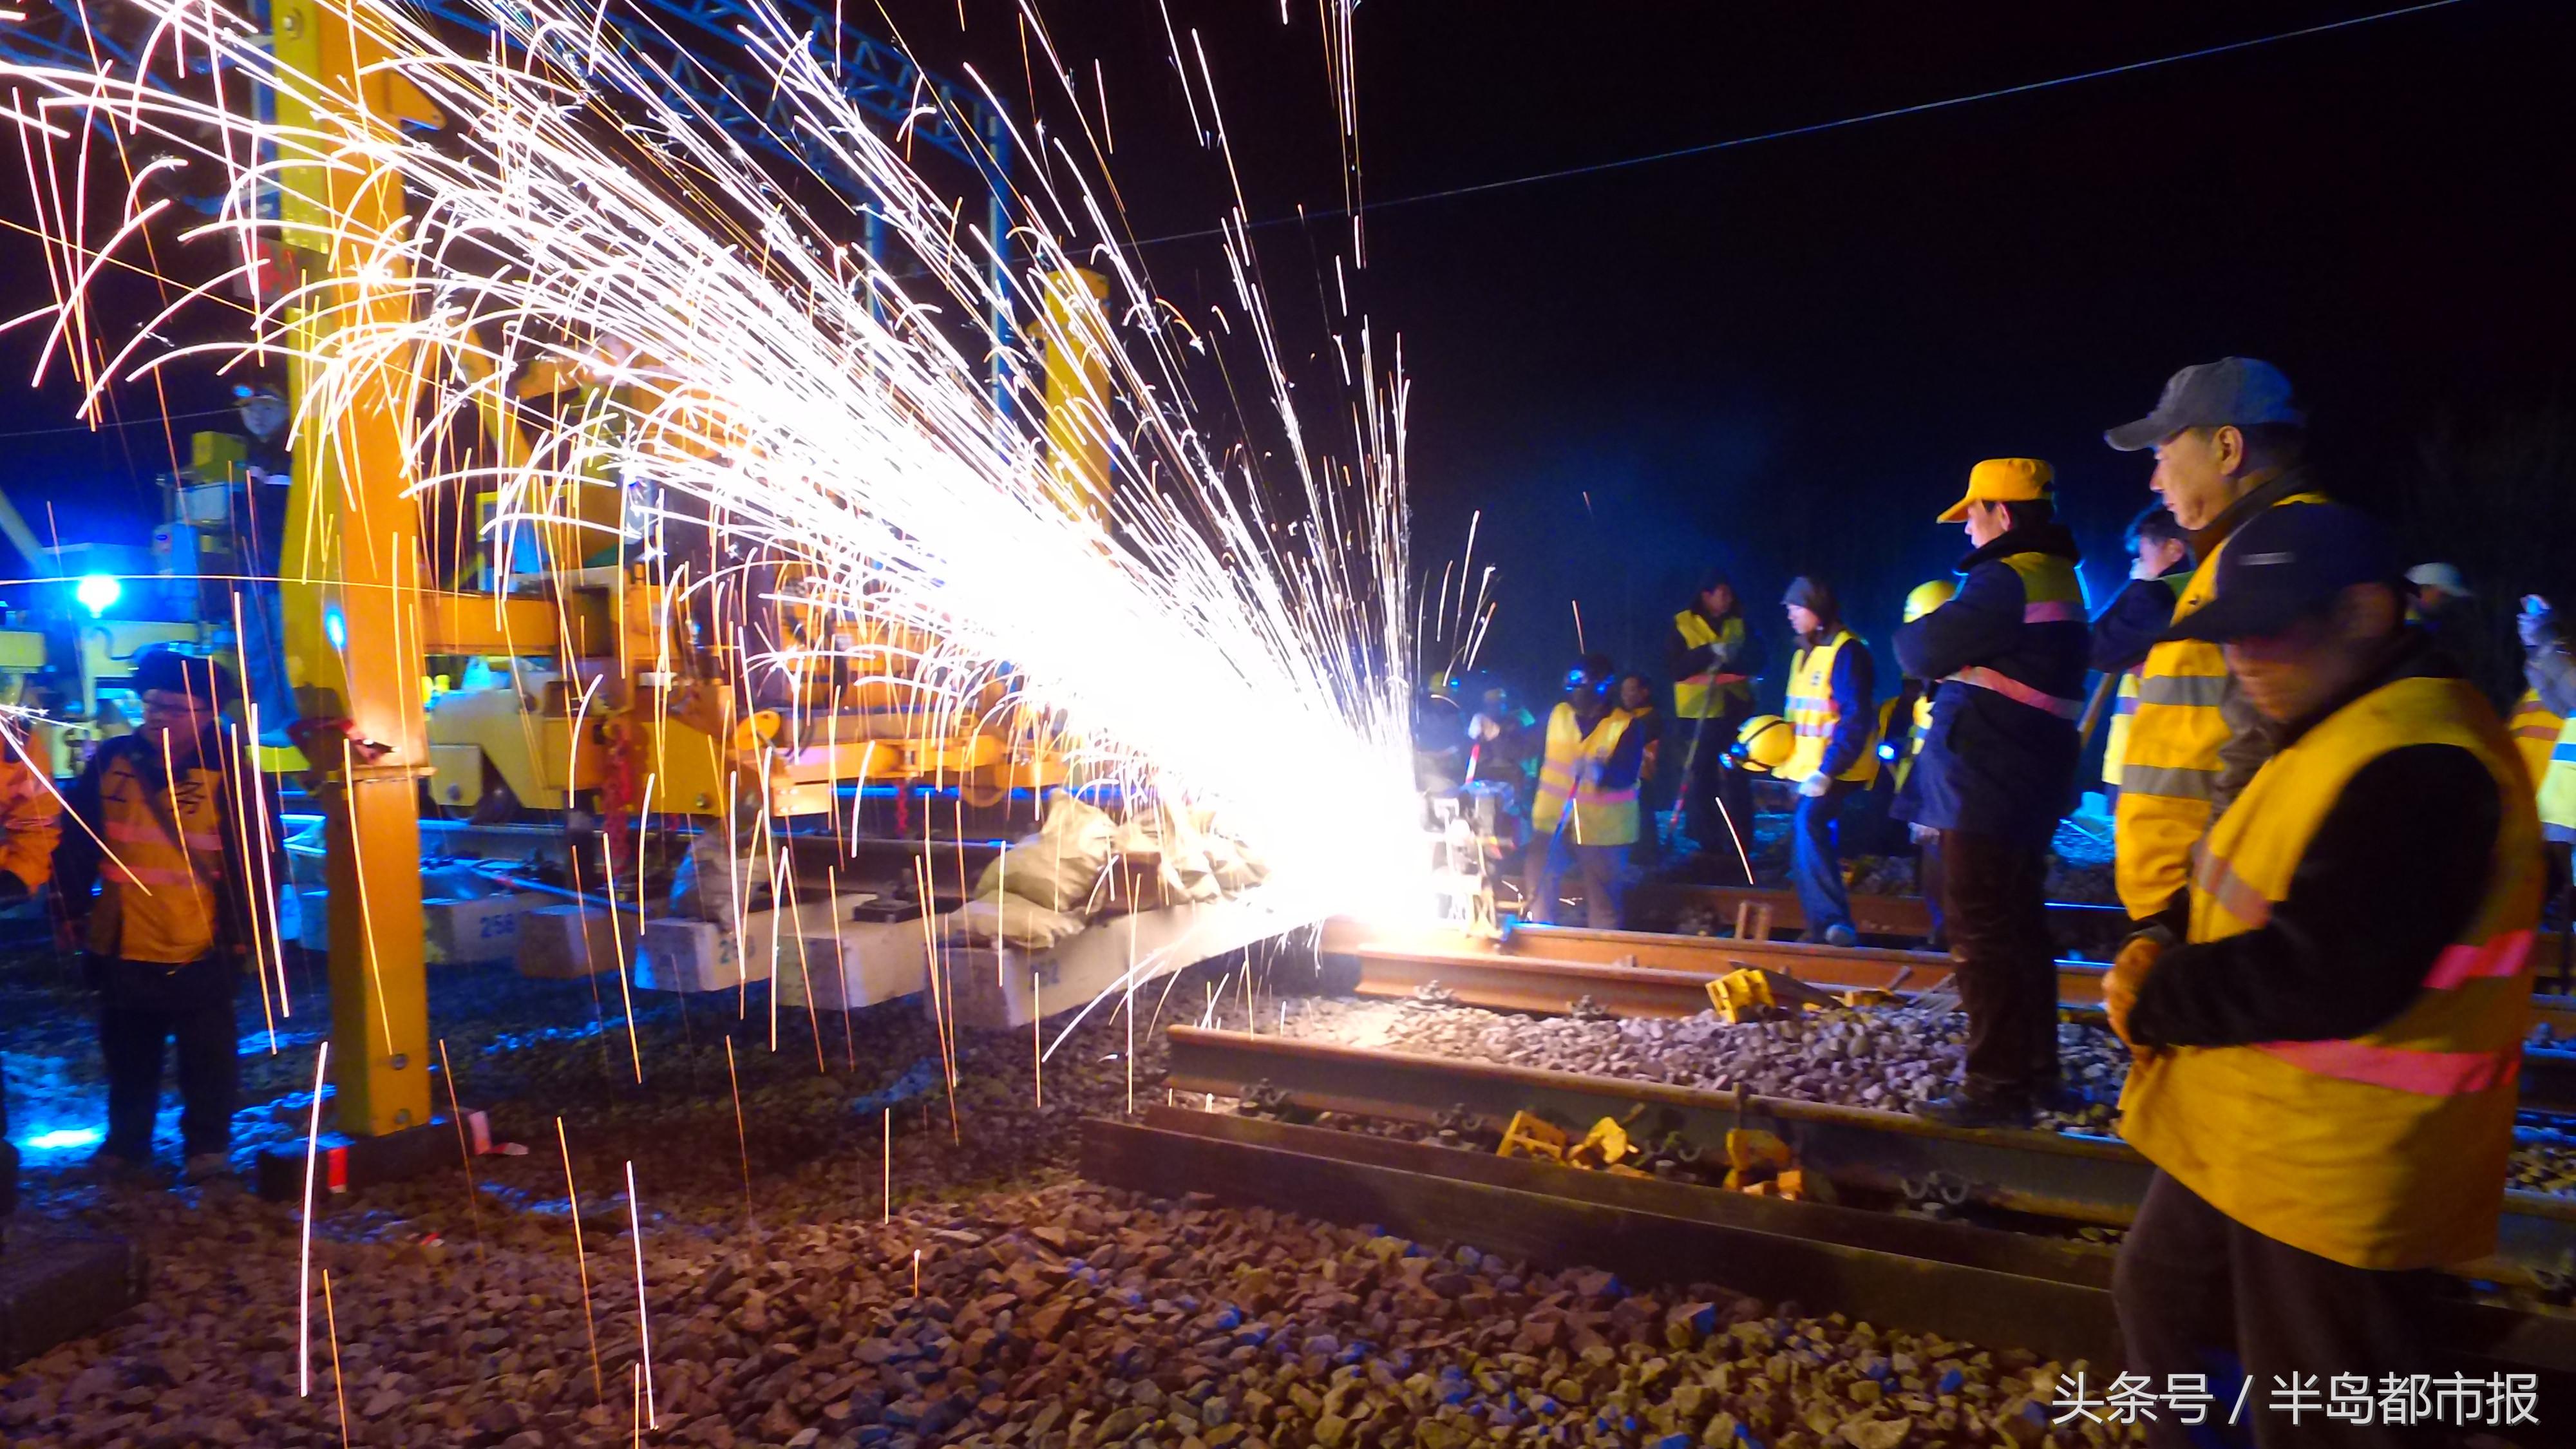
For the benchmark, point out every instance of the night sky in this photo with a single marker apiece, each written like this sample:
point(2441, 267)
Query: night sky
point(1786, 356)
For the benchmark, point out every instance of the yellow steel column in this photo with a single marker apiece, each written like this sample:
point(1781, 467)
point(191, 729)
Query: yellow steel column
point(1077, 395)
point(350, 576)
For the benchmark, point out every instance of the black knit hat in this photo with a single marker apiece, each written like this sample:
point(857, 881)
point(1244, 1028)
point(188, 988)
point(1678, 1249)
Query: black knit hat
point(172, 672)
point(1813, 595)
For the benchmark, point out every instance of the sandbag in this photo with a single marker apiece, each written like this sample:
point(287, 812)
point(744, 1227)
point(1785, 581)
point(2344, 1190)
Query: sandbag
point(705, 886)
point(1009, 920)
point(1166, 836)
point(1058, 867)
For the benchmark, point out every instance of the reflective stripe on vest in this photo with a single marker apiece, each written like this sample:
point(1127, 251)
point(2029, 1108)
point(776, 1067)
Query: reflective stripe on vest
point(2386, 1150)
point(2018, 692)
point(2169, 767)
point(2201, 785)
point(1813, 715)
point(2198, 691)
point(2056, 611)
point(1708, 695)
point(2423, 1074)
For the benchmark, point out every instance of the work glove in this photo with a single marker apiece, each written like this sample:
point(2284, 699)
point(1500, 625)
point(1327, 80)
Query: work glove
point(1923, 834)
point(2120, 987)
point(2536, 625)
point(1815, 785)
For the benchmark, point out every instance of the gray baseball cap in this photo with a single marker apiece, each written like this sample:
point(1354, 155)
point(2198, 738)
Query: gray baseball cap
point(2241, 392)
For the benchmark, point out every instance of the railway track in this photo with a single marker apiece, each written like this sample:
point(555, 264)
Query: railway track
point(1959, 1278)
point(1907, 917)
point(1550, 969)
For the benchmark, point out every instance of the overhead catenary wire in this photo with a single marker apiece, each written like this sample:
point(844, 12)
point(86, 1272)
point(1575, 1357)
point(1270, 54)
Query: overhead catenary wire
point(1733, 143)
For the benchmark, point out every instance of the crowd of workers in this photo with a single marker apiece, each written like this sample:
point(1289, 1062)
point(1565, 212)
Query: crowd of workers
point(2326, 1028)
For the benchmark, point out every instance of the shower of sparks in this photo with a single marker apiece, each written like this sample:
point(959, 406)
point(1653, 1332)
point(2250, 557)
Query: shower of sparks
point(304, 1295)
point(643, 1315)
point(465, 1147)
point(581, 1260)
point(741, 1132)
point(331, 1326)
point(863, 422)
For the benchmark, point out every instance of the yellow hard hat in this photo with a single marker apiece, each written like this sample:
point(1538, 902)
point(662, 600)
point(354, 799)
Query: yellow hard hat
point(2005, 480)
point(1927, 597)
point(1766, 740)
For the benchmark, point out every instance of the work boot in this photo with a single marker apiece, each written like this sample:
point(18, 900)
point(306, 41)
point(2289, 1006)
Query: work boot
point(1964, 1108)
point(205, 1167)
point(2055, 1095)
point(1839, 934)
point(117, 1171)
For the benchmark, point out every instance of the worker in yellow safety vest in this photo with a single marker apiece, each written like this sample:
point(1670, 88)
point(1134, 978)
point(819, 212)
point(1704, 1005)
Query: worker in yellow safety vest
point(30, 821)
point(169, 828)
point(2159, 569)
point(1831, 686)
point(2326, 1066)
point(2549, 667)
point(1585, 814)
point(2534, 727)
point(1713, 656)
point(2227, 439)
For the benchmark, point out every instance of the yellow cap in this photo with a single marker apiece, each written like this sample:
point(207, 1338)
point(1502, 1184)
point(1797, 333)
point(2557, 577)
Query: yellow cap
point(1927, 597)
point(1766, 740)
point(2005, 480)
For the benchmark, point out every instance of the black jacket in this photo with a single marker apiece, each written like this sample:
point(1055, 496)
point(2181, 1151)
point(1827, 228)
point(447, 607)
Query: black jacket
point(1994, 765)
point(2139, 614)
point(2347, 950)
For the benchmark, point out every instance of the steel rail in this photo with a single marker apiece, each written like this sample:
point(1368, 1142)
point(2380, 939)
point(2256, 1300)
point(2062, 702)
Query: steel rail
point(2044, 1174)
point(1909, 916)
point(1671, 974)
point(1992, 1287)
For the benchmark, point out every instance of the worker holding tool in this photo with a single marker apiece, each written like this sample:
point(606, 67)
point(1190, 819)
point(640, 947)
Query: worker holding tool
point(2159, 569)
point(1636, 700)
point(2326, 1080)
point(1585, 814)
point(2227, 439)
point(1713, 657)
point(2549, 664)
point(30, 822)
point(1901, 730)
point(165, 826)
point(1831, 685)
point(1998, 771)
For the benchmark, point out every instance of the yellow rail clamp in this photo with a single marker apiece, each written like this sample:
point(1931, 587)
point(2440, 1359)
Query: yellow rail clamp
point(1749, 992)
point(1529, 1135)
point(1753, 1147)
point(1753, 1156)
point(1739, 996)
point(1604, 1146)
point(1867, 996)
point(1799, 1184)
